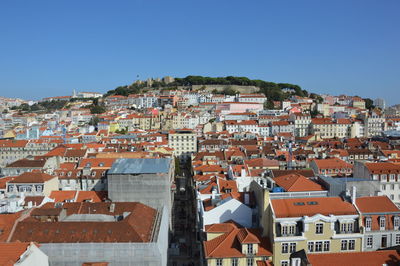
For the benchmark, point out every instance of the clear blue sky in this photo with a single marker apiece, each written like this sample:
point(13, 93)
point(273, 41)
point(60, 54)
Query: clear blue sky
point(48, 48)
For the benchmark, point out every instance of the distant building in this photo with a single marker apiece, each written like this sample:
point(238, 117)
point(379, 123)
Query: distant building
point(168, 79)
point(380, 103)
point(86, 95)
point(184, 143)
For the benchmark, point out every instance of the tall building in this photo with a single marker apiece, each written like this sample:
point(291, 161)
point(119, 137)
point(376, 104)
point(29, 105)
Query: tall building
point(147, 181)
point(184, 143)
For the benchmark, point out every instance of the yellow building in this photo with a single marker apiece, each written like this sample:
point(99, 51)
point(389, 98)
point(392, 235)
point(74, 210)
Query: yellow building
point(230, 244)
point(184, 143)
point(317, 225)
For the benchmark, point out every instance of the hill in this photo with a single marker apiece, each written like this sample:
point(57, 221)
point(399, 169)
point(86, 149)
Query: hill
point(274, 91)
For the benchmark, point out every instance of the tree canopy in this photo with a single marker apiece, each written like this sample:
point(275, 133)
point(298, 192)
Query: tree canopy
point(272, 90)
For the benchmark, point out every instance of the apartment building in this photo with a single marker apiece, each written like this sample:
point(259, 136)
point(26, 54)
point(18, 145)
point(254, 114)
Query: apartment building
point(317, 225)
point(184, 143)
point(331, 167)
point(380, 219)
point(388, 175)
point(328, 128)
point(301, 124)
point(374, 123)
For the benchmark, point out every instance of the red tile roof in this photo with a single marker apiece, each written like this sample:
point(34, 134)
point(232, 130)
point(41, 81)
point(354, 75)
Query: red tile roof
point(377, 204)
point(299, 207)
point(369, 258)
point(10, 253)
point(32, 177)
point(229, 244)
point(62, 196)
point(136, 227)
point(6, 224)
point(297, 183)
point(333, 163)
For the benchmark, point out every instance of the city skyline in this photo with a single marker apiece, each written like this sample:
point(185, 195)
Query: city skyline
point(336, 47)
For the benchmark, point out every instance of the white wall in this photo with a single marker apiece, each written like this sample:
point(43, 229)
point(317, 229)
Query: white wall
point(33, 256)
point(230, 210)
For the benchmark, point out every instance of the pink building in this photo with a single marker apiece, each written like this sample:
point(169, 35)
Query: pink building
point(239, 107)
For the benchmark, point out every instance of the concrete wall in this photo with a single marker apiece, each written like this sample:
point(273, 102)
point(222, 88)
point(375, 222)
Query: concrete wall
point(153, 190)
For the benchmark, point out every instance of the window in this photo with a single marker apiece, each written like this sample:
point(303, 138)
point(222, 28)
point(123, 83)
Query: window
point(396, 222)
point(343, 245)
point(292, 247)
point(285, 247)
point(383, 187)
point(249, 261)
point(382, 223)
point(284, 263)
point(284, 230)
point(350, 227)
point(310, 246)
point(292, 229)
point(369, 241)
point(397, 239)
point(219, 262)
point(352, 244)
point(343, 227)
point(319, 228)
point(318, 246)
point(368, 222)
point(235, 262)
point(250, 248)
point(327, 245)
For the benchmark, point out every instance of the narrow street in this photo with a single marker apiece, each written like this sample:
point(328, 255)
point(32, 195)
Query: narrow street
point(184, 249)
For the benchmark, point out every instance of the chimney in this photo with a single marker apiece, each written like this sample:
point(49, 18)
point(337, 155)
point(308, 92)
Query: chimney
point(243, 172)
point(246, 198)
point(353, 194)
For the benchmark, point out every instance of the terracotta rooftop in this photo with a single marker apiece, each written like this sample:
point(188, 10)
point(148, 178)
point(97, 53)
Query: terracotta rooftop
point(377, 204)
point(6, 224)
point(32, 177)
point(229, 244)
point(10, 253)
point(136, 226)
point(299, 207)
point(28, 163)
point(297, 183)
point(333, 163)
point(368, 258)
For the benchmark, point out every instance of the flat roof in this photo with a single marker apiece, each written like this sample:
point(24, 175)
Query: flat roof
point(140, 166)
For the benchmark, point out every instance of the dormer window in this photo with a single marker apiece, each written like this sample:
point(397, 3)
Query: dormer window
point(382, 223)
point(69, 173)
point(101, 164)
point(93, 173)
point(250, 249)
